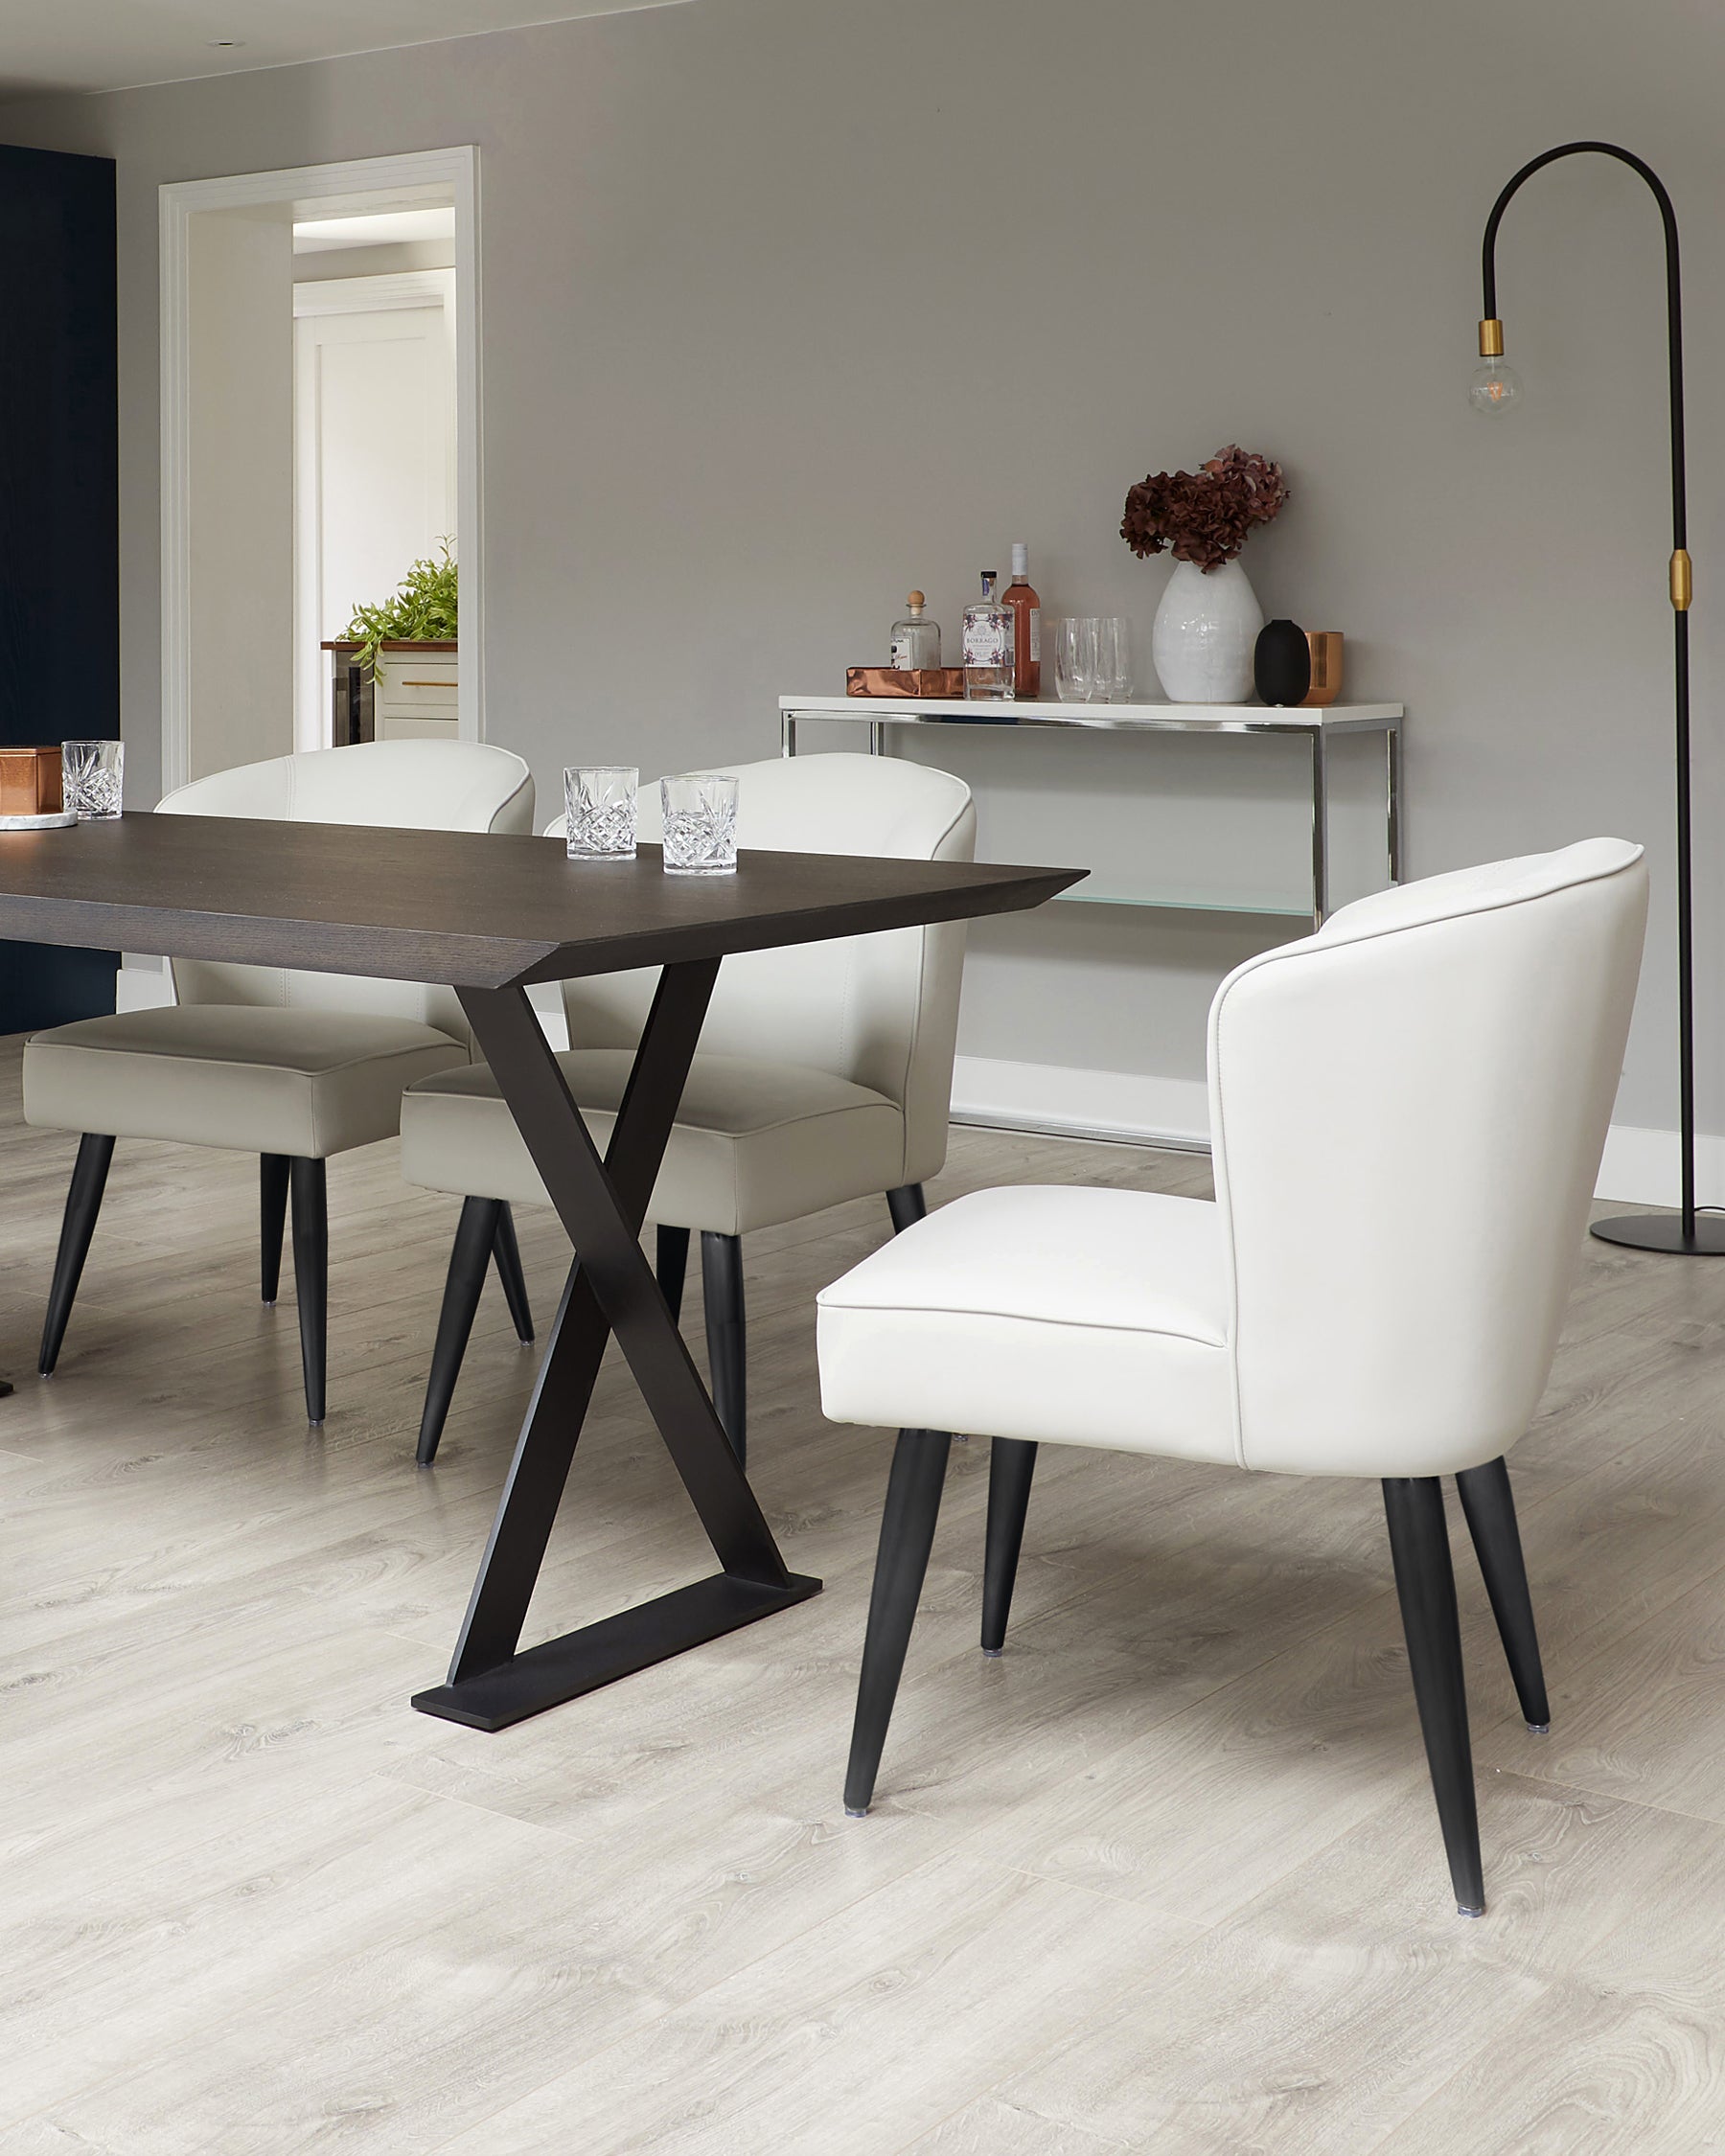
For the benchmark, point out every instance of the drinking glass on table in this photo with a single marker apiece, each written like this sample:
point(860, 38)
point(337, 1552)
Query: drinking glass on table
point(599, 805)
point(1075, 660)
point(1114, 659)
point(700, 823)
point(90, 776)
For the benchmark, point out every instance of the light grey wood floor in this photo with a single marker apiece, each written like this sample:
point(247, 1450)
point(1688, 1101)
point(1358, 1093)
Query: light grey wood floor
point(1167, 1877)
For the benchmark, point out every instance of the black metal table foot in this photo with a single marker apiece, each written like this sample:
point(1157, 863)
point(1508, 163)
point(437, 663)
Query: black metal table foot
point(616, 1646)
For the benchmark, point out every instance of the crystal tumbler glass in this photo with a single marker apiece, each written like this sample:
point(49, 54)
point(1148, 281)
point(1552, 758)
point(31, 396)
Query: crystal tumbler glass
point(90, 773)
point(700, 823)
point(599, 811)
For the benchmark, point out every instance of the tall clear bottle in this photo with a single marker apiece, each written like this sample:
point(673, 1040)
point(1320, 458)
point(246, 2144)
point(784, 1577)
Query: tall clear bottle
point(1026, 624)
point(988, 645)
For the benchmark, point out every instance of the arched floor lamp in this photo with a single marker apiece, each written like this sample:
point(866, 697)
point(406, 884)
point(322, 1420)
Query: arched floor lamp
point(1495, 389)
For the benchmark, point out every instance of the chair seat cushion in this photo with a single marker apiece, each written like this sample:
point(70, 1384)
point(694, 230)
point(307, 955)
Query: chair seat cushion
point(254, 1077)
point(754, 1143)
point(1056, 1313)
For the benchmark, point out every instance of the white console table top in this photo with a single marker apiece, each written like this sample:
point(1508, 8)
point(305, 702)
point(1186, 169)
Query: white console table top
point(1102, 718)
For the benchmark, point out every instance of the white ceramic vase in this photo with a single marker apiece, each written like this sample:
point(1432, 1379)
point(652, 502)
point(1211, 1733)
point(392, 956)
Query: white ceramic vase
point(1206, 631)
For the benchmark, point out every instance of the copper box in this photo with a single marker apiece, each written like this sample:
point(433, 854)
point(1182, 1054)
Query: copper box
point(30, 781)
point(926, 682)
point(1326, 666)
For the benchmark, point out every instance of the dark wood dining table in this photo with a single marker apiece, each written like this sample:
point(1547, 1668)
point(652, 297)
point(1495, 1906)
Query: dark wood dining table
point(490, 916)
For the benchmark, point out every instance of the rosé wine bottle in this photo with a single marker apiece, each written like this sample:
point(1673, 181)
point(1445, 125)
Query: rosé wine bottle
point(1027, 625)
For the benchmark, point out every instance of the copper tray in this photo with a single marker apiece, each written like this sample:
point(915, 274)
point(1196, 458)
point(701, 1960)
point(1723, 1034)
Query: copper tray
point(926, 683)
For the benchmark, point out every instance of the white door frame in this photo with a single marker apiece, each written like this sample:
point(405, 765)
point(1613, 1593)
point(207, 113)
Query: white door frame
point(454, 170)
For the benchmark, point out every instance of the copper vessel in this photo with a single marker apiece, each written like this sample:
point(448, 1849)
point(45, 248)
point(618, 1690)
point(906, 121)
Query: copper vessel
point(30, 781)
point(1326, 666)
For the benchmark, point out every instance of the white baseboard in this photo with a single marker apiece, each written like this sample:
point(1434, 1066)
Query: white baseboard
point(1092, 1104)
point(1640, 1167)
point(1643, 1167)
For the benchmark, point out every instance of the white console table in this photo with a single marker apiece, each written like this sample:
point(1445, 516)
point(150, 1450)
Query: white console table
point(1318, 727)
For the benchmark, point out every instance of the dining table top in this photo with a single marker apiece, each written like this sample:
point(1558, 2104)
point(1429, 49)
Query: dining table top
point(471, 909)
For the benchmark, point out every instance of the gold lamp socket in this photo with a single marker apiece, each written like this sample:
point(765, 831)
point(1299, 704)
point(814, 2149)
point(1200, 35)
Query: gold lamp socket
point(1492, 339)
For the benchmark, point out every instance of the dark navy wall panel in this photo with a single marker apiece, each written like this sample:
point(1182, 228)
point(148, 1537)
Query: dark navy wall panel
point(59, 563)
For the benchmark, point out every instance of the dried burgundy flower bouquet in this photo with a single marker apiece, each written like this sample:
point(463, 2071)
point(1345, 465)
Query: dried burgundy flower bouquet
point(1204, 516)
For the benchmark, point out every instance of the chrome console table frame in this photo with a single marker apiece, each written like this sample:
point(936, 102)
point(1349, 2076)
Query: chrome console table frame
point(1316, 726)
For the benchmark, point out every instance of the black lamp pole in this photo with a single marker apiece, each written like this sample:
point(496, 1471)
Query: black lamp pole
point(1684, 1233)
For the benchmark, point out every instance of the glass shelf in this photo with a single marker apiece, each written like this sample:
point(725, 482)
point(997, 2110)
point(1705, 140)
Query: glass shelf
point(1191, 902)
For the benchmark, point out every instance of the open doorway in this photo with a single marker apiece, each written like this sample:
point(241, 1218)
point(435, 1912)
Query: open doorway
point(374, 446)
point(319, 435)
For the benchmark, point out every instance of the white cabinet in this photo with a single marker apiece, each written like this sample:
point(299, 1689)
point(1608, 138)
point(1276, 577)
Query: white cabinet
point(414, 698)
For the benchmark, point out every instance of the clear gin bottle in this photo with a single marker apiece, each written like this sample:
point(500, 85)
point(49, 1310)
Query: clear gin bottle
point(988, 645)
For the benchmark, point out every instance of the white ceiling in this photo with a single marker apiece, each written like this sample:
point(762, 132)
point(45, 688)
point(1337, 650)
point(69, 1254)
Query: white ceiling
point(316, 236)
point(122, 44)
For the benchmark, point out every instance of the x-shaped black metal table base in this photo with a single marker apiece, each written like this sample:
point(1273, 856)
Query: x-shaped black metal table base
point(610, 1288)
point(489, 913)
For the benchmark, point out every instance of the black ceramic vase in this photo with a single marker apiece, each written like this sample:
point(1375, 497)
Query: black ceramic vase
point(1282, 663)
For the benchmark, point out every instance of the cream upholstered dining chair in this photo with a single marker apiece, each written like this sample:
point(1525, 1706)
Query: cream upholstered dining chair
point(824, 1071)
point(1408, 1111)
point(292, 1066)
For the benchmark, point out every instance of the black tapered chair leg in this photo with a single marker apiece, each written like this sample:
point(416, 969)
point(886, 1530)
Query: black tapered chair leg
point(907, 1205)
point(1426, 1585)
point(671, 1261)
point(1011, 1463)
point(77, 1224)
point(311, 1276)
point(272, 1219)
point(508, 1253)
point(727, 1341)
point(1488, 1505)
point(475, 1241)
point(906, 1536)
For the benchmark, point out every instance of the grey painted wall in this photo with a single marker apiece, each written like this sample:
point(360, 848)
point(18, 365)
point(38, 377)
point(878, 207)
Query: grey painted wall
point(791, 303)
point(241, 510)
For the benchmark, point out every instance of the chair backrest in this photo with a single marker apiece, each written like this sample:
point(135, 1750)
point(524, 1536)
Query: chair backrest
point(409, 785)
point(879, 1010)
point(1408, 1112)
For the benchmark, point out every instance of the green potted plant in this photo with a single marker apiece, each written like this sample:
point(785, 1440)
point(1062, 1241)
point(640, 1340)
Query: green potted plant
point(421, 610)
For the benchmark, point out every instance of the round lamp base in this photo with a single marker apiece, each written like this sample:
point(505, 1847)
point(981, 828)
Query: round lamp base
point(1663, 1232)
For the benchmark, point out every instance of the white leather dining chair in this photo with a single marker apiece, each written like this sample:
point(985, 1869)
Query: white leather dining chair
point(293, 1066)
point(824, 1071)
point(1408, 1111)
